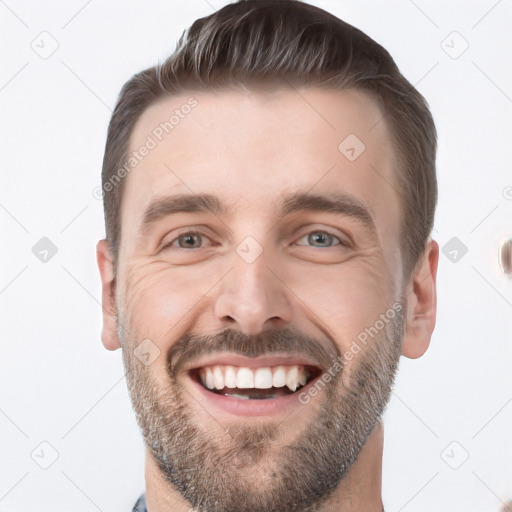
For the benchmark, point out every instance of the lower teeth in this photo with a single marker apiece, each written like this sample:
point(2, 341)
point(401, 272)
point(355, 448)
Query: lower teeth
point(254, 394)
point(245, 397)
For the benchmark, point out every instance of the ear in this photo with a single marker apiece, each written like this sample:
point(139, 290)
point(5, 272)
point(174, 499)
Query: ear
point(421, 303)
point(109, 336)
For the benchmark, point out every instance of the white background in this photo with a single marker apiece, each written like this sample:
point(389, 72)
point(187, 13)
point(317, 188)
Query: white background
point(58, 384)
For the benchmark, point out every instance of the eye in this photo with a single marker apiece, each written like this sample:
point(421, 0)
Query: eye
point(188, 240)
point(322, 239)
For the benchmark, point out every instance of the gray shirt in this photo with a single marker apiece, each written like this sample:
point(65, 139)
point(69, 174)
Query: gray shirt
point(140, 506)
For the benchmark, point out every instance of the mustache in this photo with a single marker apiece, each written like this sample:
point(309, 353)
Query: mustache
point(287, 340)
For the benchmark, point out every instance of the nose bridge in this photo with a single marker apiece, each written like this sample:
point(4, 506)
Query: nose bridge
point(252, 298)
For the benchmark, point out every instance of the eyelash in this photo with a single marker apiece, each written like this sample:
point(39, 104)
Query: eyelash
point(341, 242)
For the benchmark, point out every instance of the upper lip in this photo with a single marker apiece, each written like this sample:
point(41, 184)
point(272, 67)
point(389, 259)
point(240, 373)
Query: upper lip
point(252, 362)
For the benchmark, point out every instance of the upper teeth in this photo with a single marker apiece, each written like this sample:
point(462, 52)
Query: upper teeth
point(218, 377)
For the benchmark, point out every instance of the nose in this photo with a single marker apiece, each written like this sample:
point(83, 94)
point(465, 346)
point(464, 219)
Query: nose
point(253, 298)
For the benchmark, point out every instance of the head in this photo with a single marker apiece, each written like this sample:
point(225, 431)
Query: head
point(269, 193)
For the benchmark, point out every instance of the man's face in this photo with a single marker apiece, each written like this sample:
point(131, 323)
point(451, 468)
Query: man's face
point(265, 285)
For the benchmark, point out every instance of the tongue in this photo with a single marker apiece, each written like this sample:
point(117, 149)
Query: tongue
point(253, 393)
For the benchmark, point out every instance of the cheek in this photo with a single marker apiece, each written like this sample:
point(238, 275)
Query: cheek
point(159, 305)
point(160, 300)
point(346, 298)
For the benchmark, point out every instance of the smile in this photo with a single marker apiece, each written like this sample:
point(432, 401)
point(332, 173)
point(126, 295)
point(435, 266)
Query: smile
point(244, 386)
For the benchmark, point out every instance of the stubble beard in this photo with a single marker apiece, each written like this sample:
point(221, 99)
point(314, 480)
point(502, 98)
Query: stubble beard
point(249, 468)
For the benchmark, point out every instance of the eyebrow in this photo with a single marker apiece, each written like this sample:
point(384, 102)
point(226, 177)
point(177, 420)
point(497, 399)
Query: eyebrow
point(344, 204)
point(339, 203)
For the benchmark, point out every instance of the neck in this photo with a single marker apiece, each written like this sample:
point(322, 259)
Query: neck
point(360, 491)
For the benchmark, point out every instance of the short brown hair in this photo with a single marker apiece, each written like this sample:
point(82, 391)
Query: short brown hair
point(254, 41)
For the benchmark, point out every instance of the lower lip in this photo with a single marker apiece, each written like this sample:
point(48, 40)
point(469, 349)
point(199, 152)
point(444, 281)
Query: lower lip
point(250, 407)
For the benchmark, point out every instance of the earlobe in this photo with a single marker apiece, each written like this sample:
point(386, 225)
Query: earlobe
point(421, 303)
point(105, 262)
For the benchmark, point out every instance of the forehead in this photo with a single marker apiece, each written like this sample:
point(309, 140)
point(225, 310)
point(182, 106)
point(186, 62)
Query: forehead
point(249, 148)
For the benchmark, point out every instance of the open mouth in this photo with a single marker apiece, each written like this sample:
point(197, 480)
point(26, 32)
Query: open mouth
point(254, 383)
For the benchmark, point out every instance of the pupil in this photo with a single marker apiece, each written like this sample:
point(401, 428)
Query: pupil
point(318, 237)
point(187, 239)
